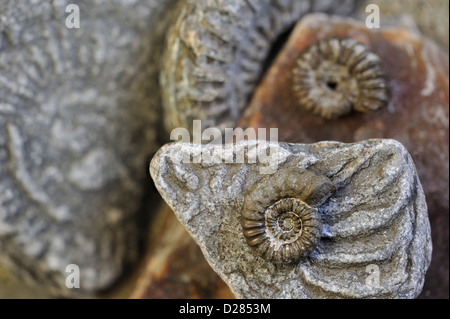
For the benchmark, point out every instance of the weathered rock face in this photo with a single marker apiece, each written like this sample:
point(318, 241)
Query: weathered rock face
point(375, 235)
point(78, 118)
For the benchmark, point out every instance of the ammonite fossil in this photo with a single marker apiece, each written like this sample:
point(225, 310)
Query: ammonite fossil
point(367, 195)
point(216, 52)
point(279, 219)
point(334, 76)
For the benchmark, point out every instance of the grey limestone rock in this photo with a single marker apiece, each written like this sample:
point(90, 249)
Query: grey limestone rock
point(375, 235)
point(79, 110)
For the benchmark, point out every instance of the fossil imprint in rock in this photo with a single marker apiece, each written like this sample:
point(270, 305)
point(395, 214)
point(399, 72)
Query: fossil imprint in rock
point(78, 119)
point(277, 219)
point(334, 76)
point(216, 51)
point(367, 194)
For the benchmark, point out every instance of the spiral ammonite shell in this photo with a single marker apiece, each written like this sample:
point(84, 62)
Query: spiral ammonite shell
point(334, 76)
point(277, 221)
point(289, 230)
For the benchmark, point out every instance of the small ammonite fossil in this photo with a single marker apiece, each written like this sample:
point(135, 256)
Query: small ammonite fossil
point(279, 220)
point(334, 76)
point(289, 230)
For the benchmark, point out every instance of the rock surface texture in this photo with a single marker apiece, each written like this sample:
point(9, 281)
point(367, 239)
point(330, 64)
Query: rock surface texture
point(78, 118)
point(375, 238)
point(175, 266)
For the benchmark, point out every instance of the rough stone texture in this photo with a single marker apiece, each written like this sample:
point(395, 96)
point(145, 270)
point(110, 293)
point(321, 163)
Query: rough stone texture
point(417, 114)
point(335, 76)
point(174, 266)
point(216, 52)
point(78, 116)
point(377, 217)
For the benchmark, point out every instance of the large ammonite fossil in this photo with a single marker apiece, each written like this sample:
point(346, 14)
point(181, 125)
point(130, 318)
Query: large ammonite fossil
point(334, 76)
point(216, 52)
point(280, 218)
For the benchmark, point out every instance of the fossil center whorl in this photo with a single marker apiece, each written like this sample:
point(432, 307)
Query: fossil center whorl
point(283, 219)
point(288, 223)
point(334, 76)
point(280, 216)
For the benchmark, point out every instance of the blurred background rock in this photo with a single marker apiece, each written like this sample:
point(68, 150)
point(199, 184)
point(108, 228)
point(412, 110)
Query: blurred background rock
point(430, 16)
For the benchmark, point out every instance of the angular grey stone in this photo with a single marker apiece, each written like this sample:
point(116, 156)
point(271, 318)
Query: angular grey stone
point(79, 110)
point(375, 239)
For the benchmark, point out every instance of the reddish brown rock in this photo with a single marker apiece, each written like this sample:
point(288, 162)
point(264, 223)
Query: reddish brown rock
point(417, 114)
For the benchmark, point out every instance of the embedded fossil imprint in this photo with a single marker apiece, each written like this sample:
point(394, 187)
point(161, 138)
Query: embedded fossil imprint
point(334, 76)
point(277, 219)
point(288, 231)
point(78, 118)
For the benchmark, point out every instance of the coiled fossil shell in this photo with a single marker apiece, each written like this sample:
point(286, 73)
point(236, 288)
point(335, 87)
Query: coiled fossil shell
point(216, 51)
point(288, 230)
point(277, 219)
point(333, 76)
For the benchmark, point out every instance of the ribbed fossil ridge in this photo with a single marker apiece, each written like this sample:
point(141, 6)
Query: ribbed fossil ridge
point(216, 52)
